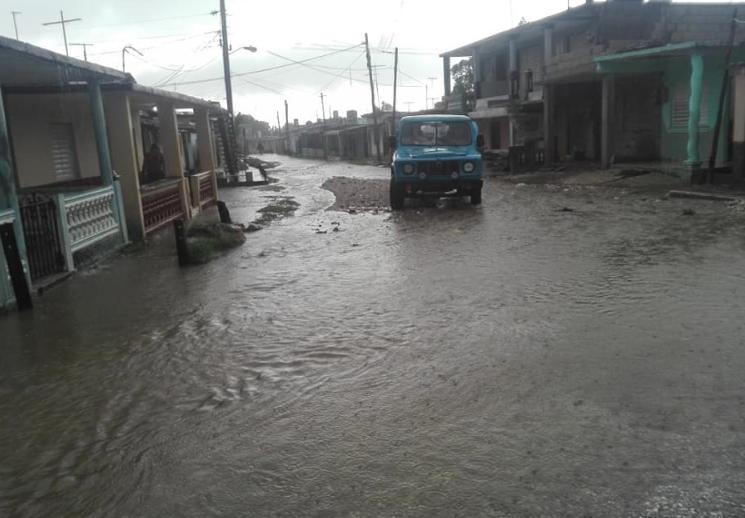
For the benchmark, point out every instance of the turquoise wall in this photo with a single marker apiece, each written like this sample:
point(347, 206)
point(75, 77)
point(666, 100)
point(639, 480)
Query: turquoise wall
point(677, 74)
point(7, 300)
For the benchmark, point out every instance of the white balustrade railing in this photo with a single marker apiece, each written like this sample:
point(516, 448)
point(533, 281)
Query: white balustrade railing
point(7, 216)
point(90, 216)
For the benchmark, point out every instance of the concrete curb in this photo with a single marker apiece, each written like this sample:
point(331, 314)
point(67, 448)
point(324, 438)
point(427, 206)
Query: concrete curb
point(693, 195)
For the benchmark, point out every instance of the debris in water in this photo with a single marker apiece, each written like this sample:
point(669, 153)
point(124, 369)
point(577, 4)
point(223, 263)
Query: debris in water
point(251, 227)
point(689, 212)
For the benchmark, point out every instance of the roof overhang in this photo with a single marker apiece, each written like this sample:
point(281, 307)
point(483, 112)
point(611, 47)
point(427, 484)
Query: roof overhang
point(648, 56)
point(148, 96)
point(528, 31)
point(23, 64)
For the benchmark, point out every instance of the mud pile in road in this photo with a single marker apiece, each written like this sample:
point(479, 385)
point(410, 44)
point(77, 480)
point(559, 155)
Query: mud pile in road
point(279, 207)
point(358, 194)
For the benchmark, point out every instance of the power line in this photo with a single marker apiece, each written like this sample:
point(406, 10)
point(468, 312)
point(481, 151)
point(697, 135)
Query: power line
point(150, 20)
point(341, 74)
point(159, 45)
point(241, 74)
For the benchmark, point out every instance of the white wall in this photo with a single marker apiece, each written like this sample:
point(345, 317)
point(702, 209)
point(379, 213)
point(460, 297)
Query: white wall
point(29, 118)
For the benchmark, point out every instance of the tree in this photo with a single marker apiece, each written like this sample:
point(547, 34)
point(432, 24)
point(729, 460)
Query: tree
point(463, 86)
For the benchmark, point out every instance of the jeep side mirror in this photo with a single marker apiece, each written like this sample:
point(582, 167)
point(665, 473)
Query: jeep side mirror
point(392, 141)
point(480, 142)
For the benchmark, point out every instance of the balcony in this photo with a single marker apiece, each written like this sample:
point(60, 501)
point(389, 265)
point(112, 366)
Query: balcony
point(57, 224)
point(494, 88)
point(162, 202)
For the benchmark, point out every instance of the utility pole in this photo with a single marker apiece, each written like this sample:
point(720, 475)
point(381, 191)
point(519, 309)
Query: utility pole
point(226, 59)
point(85, 48)
point(426, 96)
point(722, 96)
point(63, 22)
point(125, 51)
point(408, 106)
point(279, 124)
point(376, 131)
point(15, 23)
point(323, 128)
point(395, 82)
point(287, 127)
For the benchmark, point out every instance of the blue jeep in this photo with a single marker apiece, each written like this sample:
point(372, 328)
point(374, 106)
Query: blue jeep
point(436, 155)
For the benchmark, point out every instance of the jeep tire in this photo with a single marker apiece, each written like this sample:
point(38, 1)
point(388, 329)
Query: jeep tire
point(397, 196)
point(476, 196)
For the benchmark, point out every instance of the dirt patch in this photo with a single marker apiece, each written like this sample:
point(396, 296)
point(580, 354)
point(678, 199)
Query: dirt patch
point(645, 179)
point(279, 207)
point(358, 194)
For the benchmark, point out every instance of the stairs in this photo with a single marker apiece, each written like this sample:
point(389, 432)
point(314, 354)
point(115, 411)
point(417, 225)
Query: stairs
point(227, 142)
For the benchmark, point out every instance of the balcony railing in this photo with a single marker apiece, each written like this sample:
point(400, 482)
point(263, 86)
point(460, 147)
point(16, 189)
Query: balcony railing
point(494, 88)
point(202, 187)
point(162, 203)
point(90, 217)
point(7, 216)
point(57, 223)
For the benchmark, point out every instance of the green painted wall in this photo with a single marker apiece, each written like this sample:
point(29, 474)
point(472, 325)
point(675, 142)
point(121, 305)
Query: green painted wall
point(7, 298)
point(676, 73)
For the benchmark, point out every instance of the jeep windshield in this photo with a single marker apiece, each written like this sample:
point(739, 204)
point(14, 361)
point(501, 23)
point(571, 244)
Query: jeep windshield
point(436, 134)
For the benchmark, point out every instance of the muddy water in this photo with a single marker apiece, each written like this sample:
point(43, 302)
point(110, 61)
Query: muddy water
point(508, 360)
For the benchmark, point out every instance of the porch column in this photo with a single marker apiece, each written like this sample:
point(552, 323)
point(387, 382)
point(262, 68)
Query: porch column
point(548, 44)
point(608, 108)
point(99, 131)
point(172, 156)
point(476, 76)
point(204, 139)
point(514, 89)
point(738, 125)
point(169, 140)
point(446, 74)
point(124, 160)
point(548, 124)
point(8, 192)
point(694, 109)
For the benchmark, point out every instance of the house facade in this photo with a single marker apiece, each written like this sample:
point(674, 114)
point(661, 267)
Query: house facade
point(617, 81)
point(71, 154)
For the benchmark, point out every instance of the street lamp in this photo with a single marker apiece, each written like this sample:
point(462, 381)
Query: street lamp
point(124, 53)
point(226, 70)
point(250, 48)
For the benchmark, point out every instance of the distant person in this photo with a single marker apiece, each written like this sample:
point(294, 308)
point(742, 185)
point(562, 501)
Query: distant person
point(154, 166)
point(261, 148)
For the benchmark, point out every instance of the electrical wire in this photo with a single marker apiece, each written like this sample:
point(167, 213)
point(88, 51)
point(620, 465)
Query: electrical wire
point(342, 74)
point(241, 74)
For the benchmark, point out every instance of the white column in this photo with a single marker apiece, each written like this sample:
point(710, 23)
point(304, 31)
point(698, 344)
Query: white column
point(124, 160)
point(204, 139)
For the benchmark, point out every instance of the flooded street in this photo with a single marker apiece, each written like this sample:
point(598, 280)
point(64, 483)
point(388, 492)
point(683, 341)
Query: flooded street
point(513, 359)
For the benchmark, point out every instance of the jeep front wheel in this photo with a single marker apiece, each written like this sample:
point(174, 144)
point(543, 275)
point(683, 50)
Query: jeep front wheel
point(476, 196)
point(397, 196)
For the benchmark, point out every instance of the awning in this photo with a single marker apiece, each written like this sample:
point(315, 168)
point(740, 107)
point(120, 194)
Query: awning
point(609, 62)
point(490, 113)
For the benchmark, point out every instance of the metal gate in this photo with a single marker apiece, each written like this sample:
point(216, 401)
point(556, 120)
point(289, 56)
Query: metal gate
point(41, 230)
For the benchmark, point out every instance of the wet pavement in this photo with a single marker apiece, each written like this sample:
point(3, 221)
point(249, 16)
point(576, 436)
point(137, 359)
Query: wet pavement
point(513, 359)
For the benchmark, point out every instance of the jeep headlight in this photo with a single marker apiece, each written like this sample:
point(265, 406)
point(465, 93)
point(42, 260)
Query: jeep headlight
point(468, 167)
point(408, 168)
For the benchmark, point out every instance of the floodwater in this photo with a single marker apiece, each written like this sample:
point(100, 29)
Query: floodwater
point(505, 360)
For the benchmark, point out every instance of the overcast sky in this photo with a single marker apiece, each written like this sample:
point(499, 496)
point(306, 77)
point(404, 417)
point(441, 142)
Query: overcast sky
point(180, 44)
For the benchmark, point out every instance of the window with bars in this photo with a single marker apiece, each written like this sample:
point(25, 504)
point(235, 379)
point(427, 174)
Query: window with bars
point(679, 108)
point(64, 156)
